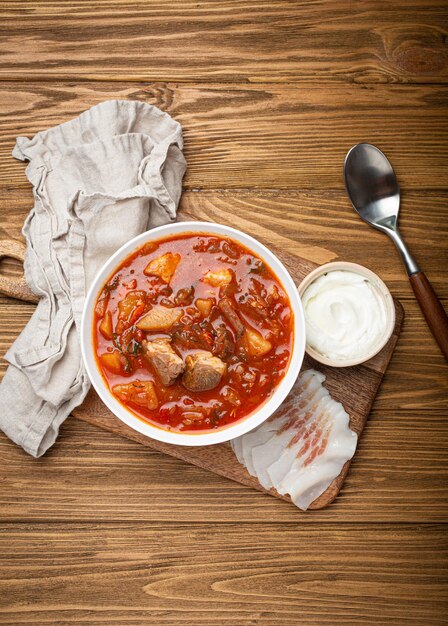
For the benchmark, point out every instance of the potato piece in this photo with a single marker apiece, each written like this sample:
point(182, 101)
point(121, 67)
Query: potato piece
point(204, 305)
point(256, 344)
point(218, 278)
point(159, 318)
point(106, 328)
point(139, 392)
point(112, 361)
point(163, 266)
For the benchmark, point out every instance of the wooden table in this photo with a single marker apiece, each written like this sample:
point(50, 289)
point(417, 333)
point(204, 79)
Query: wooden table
point(270, 95)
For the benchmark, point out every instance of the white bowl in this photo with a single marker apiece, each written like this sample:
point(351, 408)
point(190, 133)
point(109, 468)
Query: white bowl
point(382, 290)
point(226, 432)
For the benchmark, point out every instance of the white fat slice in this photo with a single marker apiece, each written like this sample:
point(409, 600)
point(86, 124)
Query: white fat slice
point(237, 448)
point(304, 446)
point(305, 483)
point(317, 412)
point(311, 382)
point(265, 455)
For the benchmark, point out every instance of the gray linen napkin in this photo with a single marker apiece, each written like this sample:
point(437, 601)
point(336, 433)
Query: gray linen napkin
point(98, 180)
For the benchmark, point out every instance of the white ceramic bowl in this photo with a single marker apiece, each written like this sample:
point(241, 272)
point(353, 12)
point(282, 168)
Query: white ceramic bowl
point(202, 437)
point(382, 289)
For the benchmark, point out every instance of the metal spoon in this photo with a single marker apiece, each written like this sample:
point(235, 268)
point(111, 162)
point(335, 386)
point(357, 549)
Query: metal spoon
point(374, 192)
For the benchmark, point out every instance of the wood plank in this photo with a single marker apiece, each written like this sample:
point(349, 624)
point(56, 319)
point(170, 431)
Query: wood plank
point(132, 574)
point(265, 136)
point(400, 472)
point(436, 394)
point(417, 375)
point(318, 225)
point(355, 388)
point(88, 534)
point(251, 41)
point(416, 378)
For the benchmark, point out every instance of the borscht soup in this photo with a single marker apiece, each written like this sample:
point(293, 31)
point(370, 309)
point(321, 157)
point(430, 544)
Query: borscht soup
point(193, 332)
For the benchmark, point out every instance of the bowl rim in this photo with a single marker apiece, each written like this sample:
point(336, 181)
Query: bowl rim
point(231, 431)
point(387, 297)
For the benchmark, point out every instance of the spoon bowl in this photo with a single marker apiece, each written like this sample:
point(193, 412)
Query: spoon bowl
point(375, 194)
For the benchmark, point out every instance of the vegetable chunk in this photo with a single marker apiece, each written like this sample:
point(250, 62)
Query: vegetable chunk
point(198, 325)
point(102, 302)
point(204, 371)
point(106, 328)
point(219, 278)
point(163, 266)
point(167, 364)
point(256, 344)
point(229, 312)
point(160, 318)
point(139, 392)
point(130, 309)
point(113, 361)
point(204, 305)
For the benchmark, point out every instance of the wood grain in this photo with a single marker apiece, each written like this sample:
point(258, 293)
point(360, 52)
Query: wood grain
point(399, 474)
point(432, 309)
point(173, 574)
point(307, 223)
point(265, 136)
point(15, 286)
point(250, 41)
point(416, 379)
point(355, 388)
point(271, 95)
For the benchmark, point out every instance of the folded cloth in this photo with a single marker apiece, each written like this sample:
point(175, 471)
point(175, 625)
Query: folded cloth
point(98, 180)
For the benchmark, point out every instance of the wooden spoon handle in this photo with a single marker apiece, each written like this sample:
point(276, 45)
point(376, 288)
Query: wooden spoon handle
point(432, 309)
point(10, 285)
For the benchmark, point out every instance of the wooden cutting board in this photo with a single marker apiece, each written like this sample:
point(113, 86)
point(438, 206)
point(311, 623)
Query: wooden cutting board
point(355, 387)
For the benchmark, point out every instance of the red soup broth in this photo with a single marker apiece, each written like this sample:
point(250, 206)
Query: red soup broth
point(255, 347)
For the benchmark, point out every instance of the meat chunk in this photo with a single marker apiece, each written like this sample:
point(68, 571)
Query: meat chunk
point(229, 312)
point(163, 266)
point(139, 392)
point(219, 277)
point(159, 318)
point(167, 364)
point(204, 371)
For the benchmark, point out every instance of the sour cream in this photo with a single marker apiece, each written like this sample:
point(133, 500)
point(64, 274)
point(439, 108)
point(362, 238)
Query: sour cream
point(345, 315)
